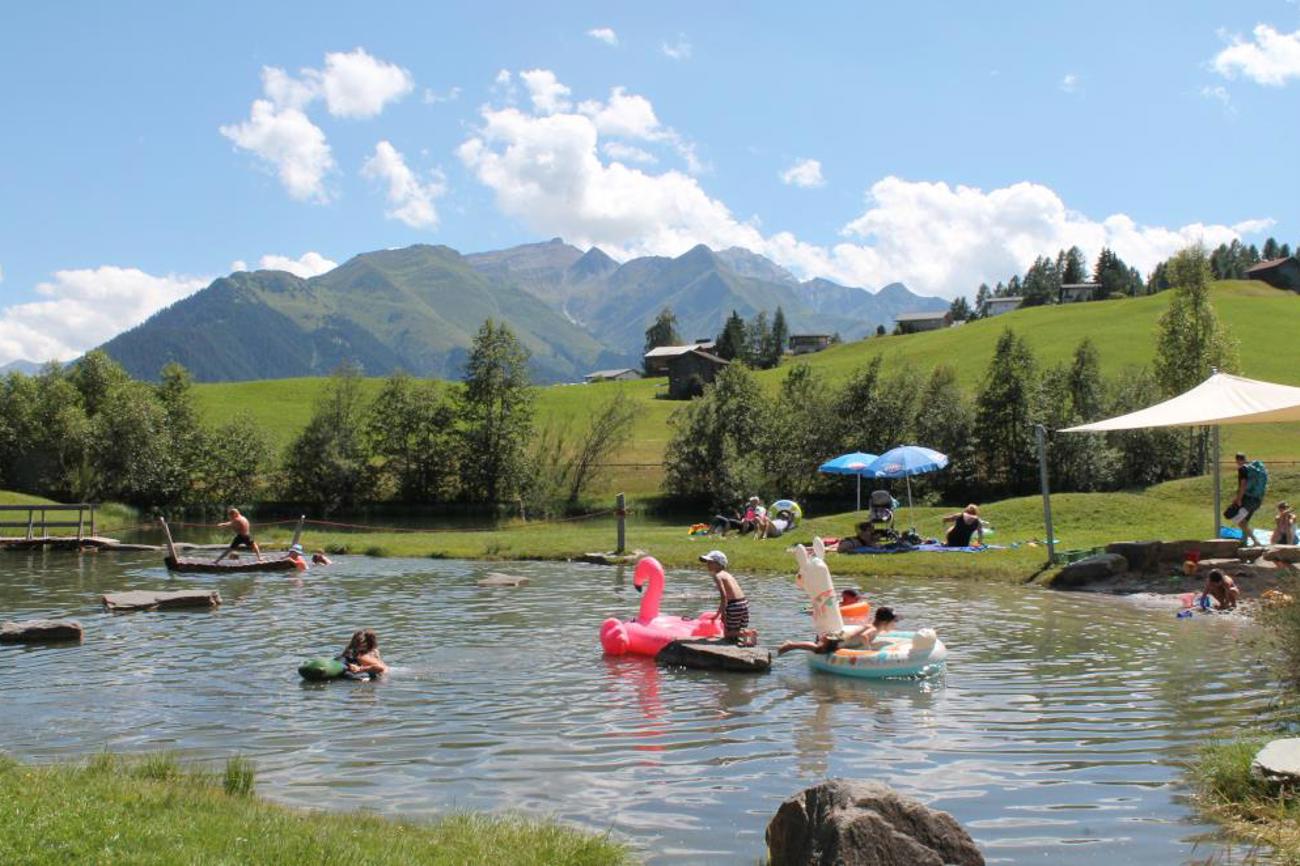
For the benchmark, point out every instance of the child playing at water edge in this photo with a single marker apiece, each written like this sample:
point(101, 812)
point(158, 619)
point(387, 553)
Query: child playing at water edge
point(733, 607)
point(1284, 525)
point(852, 637)
point(362, 654)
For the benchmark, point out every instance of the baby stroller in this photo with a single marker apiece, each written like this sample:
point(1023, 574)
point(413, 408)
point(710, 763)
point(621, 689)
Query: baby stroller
point(881, 515)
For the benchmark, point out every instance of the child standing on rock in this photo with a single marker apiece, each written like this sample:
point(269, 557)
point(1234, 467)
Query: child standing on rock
point(733, 606)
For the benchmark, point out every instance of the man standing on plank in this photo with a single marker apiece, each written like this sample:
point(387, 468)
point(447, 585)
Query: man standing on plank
point(243, 535)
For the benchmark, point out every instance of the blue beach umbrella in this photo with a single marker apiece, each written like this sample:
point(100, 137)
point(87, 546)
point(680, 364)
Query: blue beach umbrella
point(906, 461)
point(855, 463)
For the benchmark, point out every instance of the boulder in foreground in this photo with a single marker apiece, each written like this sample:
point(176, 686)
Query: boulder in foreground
point(41, 631)
point(715, 654)
point(846, 823)
point(1090, 570)
point(1279, 761)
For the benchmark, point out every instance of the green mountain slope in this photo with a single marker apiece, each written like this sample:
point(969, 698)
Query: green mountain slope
point(416, 309)
point(1262, 319)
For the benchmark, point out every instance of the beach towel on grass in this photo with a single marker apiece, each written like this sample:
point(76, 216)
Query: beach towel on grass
point(921, 548)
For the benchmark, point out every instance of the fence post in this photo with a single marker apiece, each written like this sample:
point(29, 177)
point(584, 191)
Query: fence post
point(81, 520)
point(31, 515)
point(1040, 435)
point(93, 534)
point(620, 510)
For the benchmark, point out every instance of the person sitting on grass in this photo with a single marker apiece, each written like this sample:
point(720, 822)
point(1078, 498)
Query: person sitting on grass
point(774, 527)
point(965, 523)
point(1222, 589)
point(1284, 525)
point(362, 654)
point(863, 537)
point(852, 637)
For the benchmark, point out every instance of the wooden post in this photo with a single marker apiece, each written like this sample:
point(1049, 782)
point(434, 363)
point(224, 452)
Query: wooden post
point(44, 531)
point(1040, 433)
point(31, 515)
point(620, 511)
point(93, 533)
point(81, 517)
point(297, 533)
point(1218, 492)
point(171, 545)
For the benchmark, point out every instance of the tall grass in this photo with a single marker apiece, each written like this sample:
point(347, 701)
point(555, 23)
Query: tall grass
point(1250, 808)
point(113, 810)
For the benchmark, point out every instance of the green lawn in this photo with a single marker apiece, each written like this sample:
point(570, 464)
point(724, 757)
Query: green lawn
point(108, 514)
point(152, 811)
point(1175, 510)
point(1261, 318)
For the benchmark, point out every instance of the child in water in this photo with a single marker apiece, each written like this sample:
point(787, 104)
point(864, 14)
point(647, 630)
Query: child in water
point(852, 637)
point(362, 654)
point(733, 606)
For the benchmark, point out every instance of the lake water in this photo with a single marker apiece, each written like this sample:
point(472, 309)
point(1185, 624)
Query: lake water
point(1056, 734)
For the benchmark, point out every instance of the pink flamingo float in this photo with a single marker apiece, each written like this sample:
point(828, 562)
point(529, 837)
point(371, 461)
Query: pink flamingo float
point(652, 631)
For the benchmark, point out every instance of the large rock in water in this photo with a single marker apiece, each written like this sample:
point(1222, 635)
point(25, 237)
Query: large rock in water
point(41, 631)
point(1090, 570)
point(139, 599)
point(715, 654)
point(1279, 761)
point(846, 823)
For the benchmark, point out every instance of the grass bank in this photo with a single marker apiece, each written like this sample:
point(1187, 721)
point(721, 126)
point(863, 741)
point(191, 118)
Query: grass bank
point(1178, 509)
point(107, 514)
point(153, 810)
point(1250, 809)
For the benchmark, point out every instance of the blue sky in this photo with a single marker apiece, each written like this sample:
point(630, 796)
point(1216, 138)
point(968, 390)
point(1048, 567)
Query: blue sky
point(938, 144)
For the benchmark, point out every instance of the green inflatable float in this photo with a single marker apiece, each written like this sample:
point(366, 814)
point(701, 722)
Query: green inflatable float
point(318, 670)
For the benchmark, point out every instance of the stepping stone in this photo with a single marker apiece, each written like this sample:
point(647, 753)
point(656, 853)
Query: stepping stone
point(1279, 761)
point(41, 631)
point(144, 600)
point(1283, 553)
point(496, 579)
point(715, 654)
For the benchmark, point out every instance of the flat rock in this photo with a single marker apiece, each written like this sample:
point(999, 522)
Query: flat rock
point(139, 599)
point(1212, 548)
point(611, 558)
point(1283, 553)
point(1142, 556)
point(1101, 566)
point(1279, 761)
point(41, 631)
point(846, 823)
point(715, 654)
point(493, 578)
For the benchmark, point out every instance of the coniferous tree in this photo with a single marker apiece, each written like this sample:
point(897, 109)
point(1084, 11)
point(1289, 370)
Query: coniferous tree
point(731, 342)
point(758, 338)
point(779, 337)
point(1042, 283)
point(959, 309)
point(663, 331)
point(496, 408)
point(1007, 410)
point(1074, 268)
point(1270, 249)
point(982, 295)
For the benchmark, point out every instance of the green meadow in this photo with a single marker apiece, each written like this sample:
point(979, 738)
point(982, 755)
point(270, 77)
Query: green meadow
point(1263, 320)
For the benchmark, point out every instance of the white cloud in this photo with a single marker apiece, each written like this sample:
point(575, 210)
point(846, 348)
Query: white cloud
point(357, 85)
point(546, 91)
point(1220, 94)
point(82, 308)
point(432, 97)
point(679, 50)
point(604, 34)
point(411, 199)
point(1070, 82)
point(546, 170)
point(309, 264)
point(288, 142)
point(627, 153)
point(628, 115)
point(278, 131)
point(238, 265)
point(804, 173)
point(1272, 58)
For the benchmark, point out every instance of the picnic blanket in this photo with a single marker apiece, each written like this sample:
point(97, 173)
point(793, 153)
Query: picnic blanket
point(921, 548)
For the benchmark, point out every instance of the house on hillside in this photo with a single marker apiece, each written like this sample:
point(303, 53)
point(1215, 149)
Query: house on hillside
point(1074, 292)
point(656, 360)
point(690, 371)
point(910, 323)
point(1280, 273)
point(803, 344)
point(998, 306)
point(623, 375)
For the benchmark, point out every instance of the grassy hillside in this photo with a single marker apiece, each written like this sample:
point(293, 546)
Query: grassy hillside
point(1261, 318)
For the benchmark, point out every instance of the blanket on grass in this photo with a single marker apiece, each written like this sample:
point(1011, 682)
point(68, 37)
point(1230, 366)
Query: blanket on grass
point(921, 548)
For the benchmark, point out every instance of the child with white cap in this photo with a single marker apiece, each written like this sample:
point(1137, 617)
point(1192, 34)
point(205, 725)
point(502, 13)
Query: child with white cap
point(733, 607)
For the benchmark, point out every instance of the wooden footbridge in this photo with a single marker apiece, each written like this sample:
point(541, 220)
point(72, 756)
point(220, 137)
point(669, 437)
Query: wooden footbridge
point(39, 520)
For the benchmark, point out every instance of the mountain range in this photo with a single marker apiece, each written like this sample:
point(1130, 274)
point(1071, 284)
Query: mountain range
point(418, 308)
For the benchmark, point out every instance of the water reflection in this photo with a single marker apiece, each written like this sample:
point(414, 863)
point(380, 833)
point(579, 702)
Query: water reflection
point(1056, 732)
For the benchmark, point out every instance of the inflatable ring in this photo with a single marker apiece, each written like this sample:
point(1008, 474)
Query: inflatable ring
point(787, 505)
point(859, 610)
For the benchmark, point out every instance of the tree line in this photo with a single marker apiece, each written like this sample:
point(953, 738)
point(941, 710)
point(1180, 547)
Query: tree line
point(88, 431)
point(737, 439)
point(757, 342)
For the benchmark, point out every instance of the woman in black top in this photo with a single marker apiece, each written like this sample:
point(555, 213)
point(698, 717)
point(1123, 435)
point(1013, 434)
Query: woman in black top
point(964, 525)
